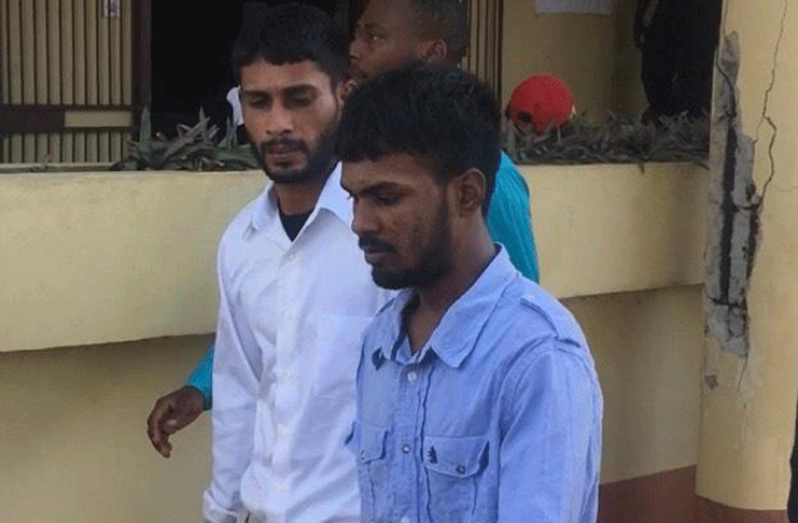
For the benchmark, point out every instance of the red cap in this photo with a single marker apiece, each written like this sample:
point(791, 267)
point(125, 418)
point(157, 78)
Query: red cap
point(541, 101)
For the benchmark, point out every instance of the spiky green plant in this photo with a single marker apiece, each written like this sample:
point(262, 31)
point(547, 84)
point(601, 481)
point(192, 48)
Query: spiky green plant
point(194, 149)
point(617, 140)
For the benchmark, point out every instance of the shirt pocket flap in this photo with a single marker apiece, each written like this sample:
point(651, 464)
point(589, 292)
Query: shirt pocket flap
point(367, 442)
point(457, 457)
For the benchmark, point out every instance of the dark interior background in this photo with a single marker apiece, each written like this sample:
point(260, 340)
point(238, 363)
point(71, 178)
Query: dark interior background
point(191, 45)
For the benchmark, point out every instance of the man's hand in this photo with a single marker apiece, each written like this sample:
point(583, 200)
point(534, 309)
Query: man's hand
point(170, 414)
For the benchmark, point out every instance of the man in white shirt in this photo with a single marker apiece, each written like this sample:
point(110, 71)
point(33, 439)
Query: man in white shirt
point(295, 290)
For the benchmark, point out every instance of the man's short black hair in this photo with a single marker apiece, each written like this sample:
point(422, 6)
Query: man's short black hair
point(290, 33)
point(440, 114)
point(444, 19)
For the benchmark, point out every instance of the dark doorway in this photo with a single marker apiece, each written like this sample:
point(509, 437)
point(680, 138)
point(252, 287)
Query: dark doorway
point(190, 57)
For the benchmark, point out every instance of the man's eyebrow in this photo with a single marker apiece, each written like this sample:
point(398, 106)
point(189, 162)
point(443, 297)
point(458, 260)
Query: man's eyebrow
point(376, 188)
point(253, 92)
point(291, 89)
point(300, 89)
point(369, 25)
point(381, 186)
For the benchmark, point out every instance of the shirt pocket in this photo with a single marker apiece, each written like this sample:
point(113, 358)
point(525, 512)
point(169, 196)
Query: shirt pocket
point(454, 466)
point(336, 355)
point(367, 443)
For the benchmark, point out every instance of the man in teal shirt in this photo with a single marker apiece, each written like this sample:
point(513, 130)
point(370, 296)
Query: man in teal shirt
point(390, 34)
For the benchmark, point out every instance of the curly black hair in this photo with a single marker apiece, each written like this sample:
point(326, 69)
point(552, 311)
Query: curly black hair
point(440, 114)
point(290, 33)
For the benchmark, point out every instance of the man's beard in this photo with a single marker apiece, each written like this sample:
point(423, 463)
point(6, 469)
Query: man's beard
point(319, 159)
point(433, 264)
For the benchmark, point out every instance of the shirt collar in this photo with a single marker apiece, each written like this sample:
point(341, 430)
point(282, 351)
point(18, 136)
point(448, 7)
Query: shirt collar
point(333, 198)
point(458, 331)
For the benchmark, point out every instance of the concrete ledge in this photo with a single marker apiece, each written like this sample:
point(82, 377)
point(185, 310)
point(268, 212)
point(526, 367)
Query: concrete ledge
point(100, 257)
point(603, 229)
point(104, 257)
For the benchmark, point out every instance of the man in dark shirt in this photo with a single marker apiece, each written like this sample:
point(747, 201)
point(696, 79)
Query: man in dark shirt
point(677, 39)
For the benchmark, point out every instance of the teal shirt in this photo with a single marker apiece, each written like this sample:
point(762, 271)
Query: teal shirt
point(509, 222)
point(200, 379)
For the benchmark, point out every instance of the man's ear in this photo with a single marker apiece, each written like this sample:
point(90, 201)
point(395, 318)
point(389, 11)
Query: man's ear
point(433, 52)
point(342, 90)
point(470, 191)
point(346, 89)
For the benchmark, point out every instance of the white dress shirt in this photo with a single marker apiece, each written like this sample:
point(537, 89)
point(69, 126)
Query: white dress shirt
point(291, 316)
point(235, 105)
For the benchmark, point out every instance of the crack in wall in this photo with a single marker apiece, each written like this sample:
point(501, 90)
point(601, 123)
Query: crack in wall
point(735, 206)
point(765, 116)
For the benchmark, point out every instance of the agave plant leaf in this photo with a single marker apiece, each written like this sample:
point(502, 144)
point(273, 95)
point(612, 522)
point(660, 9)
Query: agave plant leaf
point(145, 128)
point(183, 139)
point(242, 156)
point(617, 140)
point(183, 129)
point(230, 138)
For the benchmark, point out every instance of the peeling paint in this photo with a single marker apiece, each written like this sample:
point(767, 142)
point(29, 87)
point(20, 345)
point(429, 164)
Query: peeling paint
point(733, 228)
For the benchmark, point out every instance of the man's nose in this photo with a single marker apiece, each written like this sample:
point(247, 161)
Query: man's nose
point(364, 220)
point(279, 121)
point(355, 49)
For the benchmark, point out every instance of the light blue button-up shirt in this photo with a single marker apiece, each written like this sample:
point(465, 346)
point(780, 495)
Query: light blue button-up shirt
point(496, 419)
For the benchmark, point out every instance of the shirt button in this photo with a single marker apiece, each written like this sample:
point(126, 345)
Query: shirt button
point(406, 448)
point(362, 455)
point(412, 376)
point(461, 469)
point(405, 519)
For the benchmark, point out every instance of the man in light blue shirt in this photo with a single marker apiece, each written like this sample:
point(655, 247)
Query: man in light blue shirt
point(397, 33)
point(478, 399)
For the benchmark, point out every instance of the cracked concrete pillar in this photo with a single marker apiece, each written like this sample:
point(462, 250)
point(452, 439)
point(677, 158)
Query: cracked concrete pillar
point(751, 349)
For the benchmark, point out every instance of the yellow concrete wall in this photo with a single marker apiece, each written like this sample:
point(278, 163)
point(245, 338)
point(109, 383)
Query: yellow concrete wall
point(648, 349)
point(626, 229)
point(102, 257)
point(579, 48)
point(73, 446)
point(747, 428)
point(593, 53)
point(73, 443)
point(110, 258)
point(98, 257)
